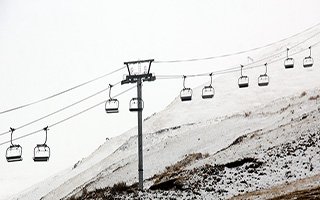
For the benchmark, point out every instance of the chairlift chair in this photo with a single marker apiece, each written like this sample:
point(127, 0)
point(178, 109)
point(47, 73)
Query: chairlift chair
point(308, 61)
point(186, 93)
point(288, 62)
point(112, 105)
point(263, 79)
point(41, 153)
point(14, 151)
point(243, 81)
point(208, 91)
point(134, 105)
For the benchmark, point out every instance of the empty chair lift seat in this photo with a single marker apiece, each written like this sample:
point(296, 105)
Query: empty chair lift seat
point(208, 92)
point(308, 61)
point(289, 63)
point(14, 153)
point(263, 80)
point(112, 106)
point(134, 105)
point(243, 82)
point(186, 94)
point(41, 153)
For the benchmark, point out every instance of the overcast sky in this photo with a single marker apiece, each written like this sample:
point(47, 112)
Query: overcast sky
point(48, 46)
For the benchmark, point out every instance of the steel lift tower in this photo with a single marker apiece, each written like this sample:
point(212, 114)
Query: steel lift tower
point(139, 71)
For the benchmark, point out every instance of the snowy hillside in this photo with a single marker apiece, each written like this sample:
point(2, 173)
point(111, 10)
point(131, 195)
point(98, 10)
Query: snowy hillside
point(281, 146)
point(249, 139)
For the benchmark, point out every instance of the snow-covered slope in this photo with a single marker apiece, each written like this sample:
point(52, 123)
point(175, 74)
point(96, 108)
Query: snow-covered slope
point(206, 126)
point(280, 146)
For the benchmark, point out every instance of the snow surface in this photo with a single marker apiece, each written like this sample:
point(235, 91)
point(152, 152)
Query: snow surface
point(206, 126)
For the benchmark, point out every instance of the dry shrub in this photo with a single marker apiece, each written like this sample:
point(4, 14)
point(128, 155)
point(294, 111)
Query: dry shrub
point(304, 93)
point(119, 188)
point(285, 108)
point(247, 114)
point(179, 166)
point(314, 97)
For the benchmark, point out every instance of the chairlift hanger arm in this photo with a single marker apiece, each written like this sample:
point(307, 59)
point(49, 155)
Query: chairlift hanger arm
point(150, 65)
point(184, 81)
point(110, 86)
point(310, 51)
point(241, 69)
point(11, 130)
point(266, 65)
point(46, 130)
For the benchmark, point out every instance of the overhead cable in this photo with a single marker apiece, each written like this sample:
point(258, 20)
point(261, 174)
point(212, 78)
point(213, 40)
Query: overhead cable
point(235, 53)
point(60, 110)
point(59, 93)
point(230, 70)
point(65, 119)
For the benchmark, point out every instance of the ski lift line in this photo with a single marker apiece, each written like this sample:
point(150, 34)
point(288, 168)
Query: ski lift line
point(235, 53)
point(272, 55)
point(231, 70)
point(262, 59)
point(275, 60)
point(275, 54)
point(68, 118)
point(60, 110)
point(59, 93)
point(167, 76)
point(222, 72)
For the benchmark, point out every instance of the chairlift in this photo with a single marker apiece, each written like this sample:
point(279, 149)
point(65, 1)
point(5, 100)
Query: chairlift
point(243, 81)
point(186, 93)
point(263, 79)
point(14, 151)
point(134, 105)
point(288, 62)
point(308, 61)
point(41, 152)
point(112, 105)
point(208, 91)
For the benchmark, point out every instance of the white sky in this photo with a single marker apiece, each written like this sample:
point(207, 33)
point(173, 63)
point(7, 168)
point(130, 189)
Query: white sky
point(48, 46)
